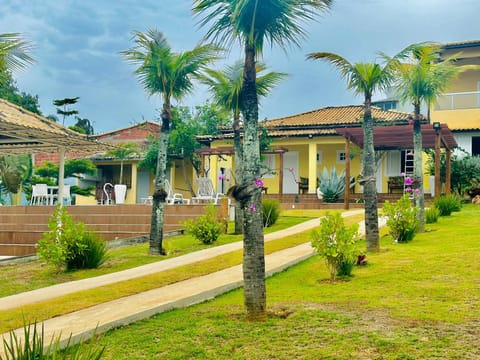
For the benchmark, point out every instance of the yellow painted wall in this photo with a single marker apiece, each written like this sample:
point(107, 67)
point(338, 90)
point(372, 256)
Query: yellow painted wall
point(458, 119)
point(327, 145)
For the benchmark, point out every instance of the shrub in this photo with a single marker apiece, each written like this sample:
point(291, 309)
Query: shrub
point(68, 245)
point(271, 212)
point(206, 228)
point(402, 219)
point(447, 204)
point(89, 252)
point(336, 243)
point(431, 215)
point(32, 346)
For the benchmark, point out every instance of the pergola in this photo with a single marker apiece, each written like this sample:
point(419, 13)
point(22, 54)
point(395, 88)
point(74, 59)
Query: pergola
point(204, 152)
point(22, 131)
point(400, 137)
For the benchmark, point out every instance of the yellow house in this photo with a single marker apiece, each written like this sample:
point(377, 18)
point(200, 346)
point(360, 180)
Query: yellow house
point(459, 107)
point(304, 144)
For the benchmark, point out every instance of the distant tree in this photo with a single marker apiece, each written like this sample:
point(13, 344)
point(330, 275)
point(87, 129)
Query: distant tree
point(170, 75)
point(83, 126)
point(62, 107)
point(10, 92)
point(52, 117)
point(186, 124)
point(122, 152)
point(73, 168)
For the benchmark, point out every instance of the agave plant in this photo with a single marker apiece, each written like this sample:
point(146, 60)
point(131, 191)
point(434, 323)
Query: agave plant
point(332, 185)
point(15, 170)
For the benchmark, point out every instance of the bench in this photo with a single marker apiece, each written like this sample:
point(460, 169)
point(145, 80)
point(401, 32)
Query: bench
point(395, 183)
point(303, 185)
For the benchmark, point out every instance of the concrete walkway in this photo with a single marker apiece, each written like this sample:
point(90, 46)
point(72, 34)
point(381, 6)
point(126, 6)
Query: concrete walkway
point(81, 324)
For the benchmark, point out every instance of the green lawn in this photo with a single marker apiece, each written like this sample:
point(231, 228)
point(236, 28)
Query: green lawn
point(36, 274)
point(419, 300)
point(17, 278)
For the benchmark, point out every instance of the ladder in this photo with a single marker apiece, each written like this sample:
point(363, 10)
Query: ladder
point(409, 170)
point(409, 162)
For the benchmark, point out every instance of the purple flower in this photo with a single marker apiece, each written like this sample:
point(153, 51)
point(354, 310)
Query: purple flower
point(221, 177)
point(291, 169)
point(252, 207)
point(417, 191)
point(408, 181)
point(408, 189)
point(259, 182)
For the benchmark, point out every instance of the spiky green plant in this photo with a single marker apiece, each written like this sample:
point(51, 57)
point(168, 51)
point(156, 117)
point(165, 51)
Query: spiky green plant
point(332, 185)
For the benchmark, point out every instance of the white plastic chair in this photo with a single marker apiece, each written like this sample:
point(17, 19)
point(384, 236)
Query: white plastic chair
point(174, 198)
point(66, 195)
point(39, 194)
point(206, 192)
point(107, 190)
point(65, 198)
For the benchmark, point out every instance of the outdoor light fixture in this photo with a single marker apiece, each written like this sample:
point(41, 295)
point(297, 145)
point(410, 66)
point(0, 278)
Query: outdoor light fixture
point(310, 136)
point(436, 126)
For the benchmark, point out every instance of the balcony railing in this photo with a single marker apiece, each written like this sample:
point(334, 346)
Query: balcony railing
point(455, 101)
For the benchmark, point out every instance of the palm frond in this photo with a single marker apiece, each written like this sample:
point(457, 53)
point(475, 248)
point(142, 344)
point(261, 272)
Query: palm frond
point(15, 51)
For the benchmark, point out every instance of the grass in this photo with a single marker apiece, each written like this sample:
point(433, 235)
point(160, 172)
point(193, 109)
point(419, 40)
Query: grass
point(37, 274)
point(419, 300)
point(39, 311)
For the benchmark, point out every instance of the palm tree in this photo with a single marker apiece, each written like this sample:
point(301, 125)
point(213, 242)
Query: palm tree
point(252, 23)
point(168, 74)
point(366, 78)
point(422, 79)
point(226, 87)
point(14, 53)
point(123, 152)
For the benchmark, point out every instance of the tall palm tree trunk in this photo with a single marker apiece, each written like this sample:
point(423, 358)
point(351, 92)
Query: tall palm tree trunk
point(159, 195)
point(370, 185)
point(253, 249)
point(418, 167)
point(238, 171)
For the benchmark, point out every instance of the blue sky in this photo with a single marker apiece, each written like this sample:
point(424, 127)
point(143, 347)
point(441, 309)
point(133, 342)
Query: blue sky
point(77, 45)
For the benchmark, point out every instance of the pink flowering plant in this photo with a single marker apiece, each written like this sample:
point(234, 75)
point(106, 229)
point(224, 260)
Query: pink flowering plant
point(411, 186)
point(292, 171)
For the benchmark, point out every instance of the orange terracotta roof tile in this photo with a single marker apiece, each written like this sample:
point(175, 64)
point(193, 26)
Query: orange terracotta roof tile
point(321, 122)
point(335, 115)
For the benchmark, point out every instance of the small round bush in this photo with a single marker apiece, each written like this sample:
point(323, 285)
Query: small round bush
point(206, 228)
point(431, 215)
point(271, 211)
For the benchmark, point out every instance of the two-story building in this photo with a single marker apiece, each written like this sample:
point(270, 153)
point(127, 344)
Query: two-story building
point(459, 107)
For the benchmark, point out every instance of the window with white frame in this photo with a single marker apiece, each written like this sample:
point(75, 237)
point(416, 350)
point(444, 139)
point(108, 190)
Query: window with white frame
point(268, 166)
point(341, 156)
